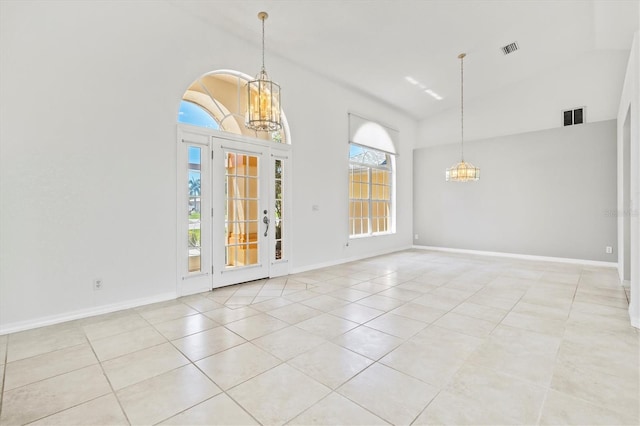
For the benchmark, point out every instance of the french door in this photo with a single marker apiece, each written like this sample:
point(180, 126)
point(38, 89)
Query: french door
point(235, 225)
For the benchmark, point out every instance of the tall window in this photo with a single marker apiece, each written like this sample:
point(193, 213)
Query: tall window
point(370, 191)
point(372, 155)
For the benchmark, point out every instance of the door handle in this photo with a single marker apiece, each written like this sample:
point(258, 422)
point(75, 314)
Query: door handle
point(266, 221)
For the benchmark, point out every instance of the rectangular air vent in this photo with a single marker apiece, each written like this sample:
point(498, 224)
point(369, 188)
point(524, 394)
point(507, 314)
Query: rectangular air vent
point(573, 116)
point(510, 48)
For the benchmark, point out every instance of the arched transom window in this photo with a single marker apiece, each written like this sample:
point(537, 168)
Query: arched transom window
point(222, 95)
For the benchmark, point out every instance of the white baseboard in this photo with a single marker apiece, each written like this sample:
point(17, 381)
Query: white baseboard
point(83, 313)
point(345, 260)
point(522, 256)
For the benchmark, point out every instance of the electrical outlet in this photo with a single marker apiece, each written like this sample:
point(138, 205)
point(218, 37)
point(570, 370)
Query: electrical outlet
point(608, 249)
point(97, 284)
point(415, 237)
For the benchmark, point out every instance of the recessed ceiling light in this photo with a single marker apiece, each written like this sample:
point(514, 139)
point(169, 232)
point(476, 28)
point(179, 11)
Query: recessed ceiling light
point(433, 94)
point(411, 79)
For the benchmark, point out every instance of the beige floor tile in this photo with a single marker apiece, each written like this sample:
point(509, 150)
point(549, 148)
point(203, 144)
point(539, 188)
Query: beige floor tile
point(236, 365)
point(588, 322)
point(114, 326)
point(167, 313)
point(104, 410)
point(396, 325)
point(447, 340)
point(439, 302)
point(494, 301)
point(337, 410)
point(615, 293)
point(431, 364)
point(614, 302)
point(42, 340)
point(166, 395)
point(219, 410)
point(34, 369)
point(141, 365)
point(599, 357)
point(288, 342)
point(226, 315)
point(369, 287)
point(185, 326)
point(466, 325)
point(256, 326)
point(327, 326)
point(537, 323)
point(344, 281)
point(598, 309)
point(325, 303)
point(37, 400)
point(515, 398)
point(299, 295)
point(366, 341)
point(457, 409)
point(536, 296)
point(126, 343)
point(382, 303)
point(201, 345)
point(330, 364)
point(418, 312)
point(541, 311)
point(357, 313)
point(158, 305)
point(401, 294)
point(417, 286)
point(383, 391)
point(294, 313)
point(527, 355)
point(200, 302)
point(620, 394)
point(349, 294)
point(239, 301)
point(561, 277)
point(274, 397)
point(562, 409)
point(324, 287)
point(486, 313)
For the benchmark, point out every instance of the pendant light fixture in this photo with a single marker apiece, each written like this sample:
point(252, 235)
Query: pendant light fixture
point(462, 172)
point(263, 109)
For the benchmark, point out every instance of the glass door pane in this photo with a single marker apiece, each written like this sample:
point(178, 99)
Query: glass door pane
point(242, 215)
point(194, 243)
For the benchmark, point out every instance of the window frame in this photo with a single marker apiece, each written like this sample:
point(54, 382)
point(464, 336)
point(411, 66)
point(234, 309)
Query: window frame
point(390, 168)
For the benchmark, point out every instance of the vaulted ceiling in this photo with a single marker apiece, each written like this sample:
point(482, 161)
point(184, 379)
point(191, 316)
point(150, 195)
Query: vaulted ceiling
point(374, 45)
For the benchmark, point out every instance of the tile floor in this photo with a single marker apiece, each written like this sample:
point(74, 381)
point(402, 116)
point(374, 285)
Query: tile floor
point(415, 337)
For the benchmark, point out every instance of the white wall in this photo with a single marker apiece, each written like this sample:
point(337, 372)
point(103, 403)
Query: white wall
point(89, 97)
point(547, 193)
point(592, 79)
point(628, 226)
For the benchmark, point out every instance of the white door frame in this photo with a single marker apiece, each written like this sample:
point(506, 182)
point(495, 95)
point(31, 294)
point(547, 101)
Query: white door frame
point(215, 275)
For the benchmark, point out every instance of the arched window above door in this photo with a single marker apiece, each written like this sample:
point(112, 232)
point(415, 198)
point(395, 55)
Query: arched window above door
point(223, 96)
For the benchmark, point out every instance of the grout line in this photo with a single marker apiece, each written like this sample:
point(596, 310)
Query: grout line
point(113, 391)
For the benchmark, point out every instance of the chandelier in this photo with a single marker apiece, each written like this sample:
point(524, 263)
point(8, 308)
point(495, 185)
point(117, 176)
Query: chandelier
point(263, 109)
point(463, 171)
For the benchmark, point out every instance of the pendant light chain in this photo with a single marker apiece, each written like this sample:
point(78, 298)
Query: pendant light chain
point(263, 44)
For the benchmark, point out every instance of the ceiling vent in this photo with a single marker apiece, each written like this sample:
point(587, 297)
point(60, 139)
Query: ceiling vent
point(573, 116)
point(510, 48)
